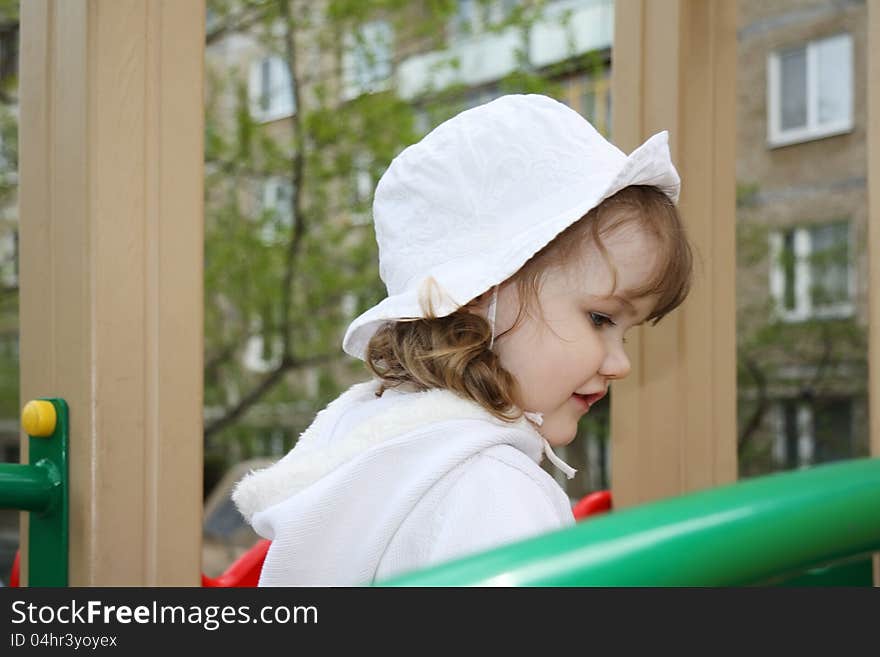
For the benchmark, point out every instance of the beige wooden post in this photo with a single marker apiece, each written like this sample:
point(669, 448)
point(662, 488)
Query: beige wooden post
point(873, 89)
point(111, 273)
point(673, 421)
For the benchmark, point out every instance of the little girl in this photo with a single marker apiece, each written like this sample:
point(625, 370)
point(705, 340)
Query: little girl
point(518, 246)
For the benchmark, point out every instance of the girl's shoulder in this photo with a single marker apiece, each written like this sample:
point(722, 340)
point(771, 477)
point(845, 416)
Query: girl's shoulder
point(497, 496)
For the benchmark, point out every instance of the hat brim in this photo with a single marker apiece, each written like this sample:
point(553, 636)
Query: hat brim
point(457, 284)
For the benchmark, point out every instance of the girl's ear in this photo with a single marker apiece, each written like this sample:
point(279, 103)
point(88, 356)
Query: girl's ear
point(479, 303)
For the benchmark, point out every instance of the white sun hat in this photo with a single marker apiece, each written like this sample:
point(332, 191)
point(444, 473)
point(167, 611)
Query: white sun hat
point(463, 209)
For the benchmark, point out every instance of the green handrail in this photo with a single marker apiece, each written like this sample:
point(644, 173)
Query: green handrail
point(741, 534)
point(29, 487)
point(42, 489)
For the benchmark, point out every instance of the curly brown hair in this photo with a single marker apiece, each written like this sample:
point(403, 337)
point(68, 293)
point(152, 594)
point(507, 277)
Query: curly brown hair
point(452, 352)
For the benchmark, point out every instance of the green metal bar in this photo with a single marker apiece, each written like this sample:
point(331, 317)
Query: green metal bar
point(28, 487)
point(48, 533)
point(850, 572)
point(42, 488)
point(742, 534)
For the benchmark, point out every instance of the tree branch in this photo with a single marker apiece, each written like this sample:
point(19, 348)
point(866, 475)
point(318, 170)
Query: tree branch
point(230, 415)
point(244, 20)
point(824, 361)
point(297, 180)
point(213, 364)
point(757, 417)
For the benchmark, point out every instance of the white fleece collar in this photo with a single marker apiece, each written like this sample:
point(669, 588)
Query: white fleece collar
point(319, 451)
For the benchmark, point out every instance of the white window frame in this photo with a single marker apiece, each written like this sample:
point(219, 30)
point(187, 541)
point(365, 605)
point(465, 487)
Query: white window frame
point(281, 104)
point(253, 355)
point(360, 74)
point(803, 303)
point(776, 136)
point(268, 202)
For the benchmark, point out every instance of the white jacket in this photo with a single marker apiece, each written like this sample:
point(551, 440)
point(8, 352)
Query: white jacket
point(376, 487)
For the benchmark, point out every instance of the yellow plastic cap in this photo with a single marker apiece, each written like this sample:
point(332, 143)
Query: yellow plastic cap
point(38, 418)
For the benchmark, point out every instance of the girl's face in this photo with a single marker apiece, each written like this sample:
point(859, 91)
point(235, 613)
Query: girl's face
point(578, 348)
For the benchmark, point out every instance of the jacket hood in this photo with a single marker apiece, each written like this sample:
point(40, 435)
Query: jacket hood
point(333, 504)
point(353, 423)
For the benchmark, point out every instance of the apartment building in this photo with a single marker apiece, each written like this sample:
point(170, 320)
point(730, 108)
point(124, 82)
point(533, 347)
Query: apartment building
point(801, 226)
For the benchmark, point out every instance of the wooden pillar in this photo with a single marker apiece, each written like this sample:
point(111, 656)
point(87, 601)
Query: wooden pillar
point(673, 421)
point(111, 273)
point(873, 97)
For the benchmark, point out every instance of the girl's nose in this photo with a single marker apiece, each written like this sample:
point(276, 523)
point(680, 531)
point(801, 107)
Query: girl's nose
point(616, 364)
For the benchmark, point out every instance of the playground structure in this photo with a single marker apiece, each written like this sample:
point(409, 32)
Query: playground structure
point(752, 532)
point(111, 277)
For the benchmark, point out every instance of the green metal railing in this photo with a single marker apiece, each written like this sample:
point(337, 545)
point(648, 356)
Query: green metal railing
point(42, 489)
point(752, 532)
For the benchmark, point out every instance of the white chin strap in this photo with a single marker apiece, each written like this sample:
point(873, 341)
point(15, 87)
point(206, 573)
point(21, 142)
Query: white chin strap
point(535, 418)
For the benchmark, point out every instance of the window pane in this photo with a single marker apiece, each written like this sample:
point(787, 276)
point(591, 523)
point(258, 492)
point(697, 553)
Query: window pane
point(465, 18)
point(265, 84)
point(829, 264)
point(608, 114)
point(282, 102)
point(373, 54)
point(588, 104)
point(833, 430)
point(792, 434)
point(793, 88)
point(788, 266)
point(835, 78)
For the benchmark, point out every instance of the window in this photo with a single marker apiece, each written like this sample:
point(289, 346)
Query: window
point(589, 94)
point(262, 352)
point(349, 305)
point(368, 59)
point(276, 210)
point(810, 91)
point(9, 39)
point(361, 189)
point(9, 257)
point(465, 20)
point(269, 89)
point(607, 133)
point(813, 431)
point(422, 121)
point(588, 104)
point(481, 96)
point(811, 274)
point(475, 16)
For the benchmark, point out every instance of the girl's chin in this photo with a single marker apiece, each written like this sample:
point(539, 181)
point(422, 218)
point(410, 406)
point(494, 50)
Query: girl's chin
point(558, 438)
point(560, 443)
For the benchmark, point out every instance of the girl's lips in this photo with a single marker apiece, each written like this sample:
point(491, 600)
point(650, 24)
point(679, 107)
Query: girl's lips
point(588, 400)
point(583, 400)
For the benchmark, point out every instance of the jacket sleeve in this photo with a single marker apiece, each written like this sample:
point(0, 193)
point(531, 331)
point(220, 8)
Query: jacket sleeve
point(497, 497)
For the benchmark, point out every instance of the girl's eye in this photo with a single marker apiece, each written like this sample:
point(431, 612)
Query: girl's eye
point(600, 320)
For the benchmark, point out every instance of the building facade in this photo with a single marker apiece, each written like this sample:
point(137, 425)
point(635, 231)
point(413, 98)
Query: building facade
point(801, 226)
